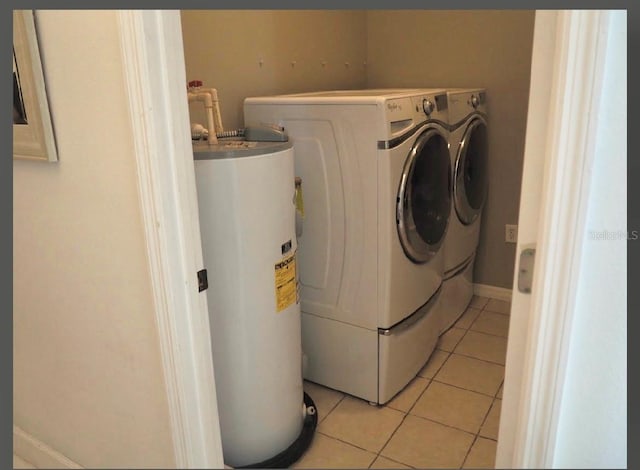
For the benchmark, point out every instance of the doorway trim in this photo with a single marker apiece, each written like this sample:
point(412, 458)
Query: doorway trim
point(578, 63)
point(154, 69)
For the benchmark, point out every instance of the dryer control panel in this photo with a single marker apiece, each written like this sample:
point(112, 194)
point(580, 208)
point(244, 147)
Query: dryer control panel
point(405, 113)
point(465, 102)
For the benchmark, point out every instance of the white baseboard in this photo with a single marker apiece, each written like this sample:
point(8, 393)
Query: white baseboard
point(38, 453)
point(498, 293)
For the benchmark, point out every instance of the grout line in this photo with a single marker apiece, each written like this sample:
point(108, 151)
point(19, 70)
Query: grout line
point(464, 461)
point(394, 461)
point(333, 407)
point(442, 350)
point(486, 417)
point(418, 399)
point(478, 359)
point(475, 320)
point(362, 448)
point(439, 368)
point(445, 425)
point(489, 334)
point(460, 341)
point(492, 334)
point(457, 343)
point(387, 405)
point(393, 434)
point(508, 314)
point(347, 443)
point(479, 297)
point(478, 437)
point(497, 313)
point(465, 389)
point(329, 389)
point(449, 425)
point(455, 325)
point(485, 360)
point(484, 310)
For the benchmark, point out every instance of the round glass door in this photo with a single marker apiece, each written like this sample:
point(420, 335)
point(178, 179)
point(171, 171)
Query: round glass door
point(470, 178)
point(423, 202)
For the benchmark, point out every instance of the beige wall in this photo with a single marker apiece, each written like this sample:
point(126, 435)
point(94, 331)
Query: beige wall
point(224, 47)
point(88, 377)
point(422, 48)
point(490, 49)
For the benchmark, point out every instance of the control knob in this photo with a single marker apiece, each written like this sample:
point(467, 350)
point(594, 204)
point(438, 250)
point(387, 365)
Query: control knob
point(474, 101)
point(427, 106)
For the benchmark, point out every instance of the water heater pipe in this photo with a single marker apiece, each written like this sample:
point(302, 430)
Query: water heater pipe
point(217, 118)
point(205, 96)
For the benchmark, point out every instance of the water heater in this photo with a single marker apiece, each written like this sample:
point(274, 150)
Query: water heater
point(246, 200)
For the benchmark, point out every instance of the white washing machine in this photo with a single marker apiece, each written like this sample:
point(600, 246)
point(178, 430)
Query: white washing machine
point(469, 159)
point(375, 170)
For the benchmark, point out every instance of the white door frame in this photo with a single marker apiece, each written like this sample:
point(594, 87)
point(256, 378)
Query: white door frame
point(153, 58)
point(540, 327)
point(155, 75)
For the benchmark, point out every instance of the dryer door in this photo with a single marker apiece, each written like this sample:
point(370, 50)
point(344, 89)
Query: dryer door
point(470, 174)
point(423, 203)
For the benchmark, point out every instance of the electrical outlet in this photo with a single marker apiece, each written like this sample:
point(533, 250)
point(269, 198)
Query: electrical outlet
point(511, 233)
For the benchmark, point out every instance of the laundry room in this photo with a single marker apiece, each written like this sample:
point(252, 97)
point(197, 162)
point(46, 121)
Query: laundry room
point(454, 399)
point(284, 238)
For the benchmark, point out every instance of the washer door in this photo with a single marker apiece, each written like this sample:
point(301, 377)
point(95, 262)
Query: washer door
point(424, 203)
point(470, 175)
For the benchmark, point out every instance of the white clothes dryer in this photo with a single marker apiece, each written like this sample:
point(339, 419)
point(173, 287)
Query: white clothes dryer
point(467, 109)
point(375, 171)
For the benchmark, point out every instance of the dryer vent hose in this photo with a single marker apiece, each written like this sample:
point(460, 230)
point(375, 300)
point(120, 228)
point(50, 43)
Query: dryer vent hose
point(292, 454)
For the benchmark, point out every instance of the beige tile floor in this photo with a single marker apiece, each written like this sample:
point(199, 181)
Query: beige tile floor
point(447, 417)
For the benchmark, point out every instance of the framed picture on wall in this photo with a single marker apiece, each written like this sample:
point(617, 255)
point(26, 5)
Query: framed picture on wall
point(33, 136)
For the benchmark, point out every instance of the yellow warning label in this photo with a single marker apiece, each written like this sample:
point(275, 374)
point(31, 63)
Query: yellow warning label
point(286, 286)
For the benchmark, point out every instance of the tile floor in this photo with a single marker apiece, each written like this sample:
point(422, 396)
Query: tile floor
point(447, 417)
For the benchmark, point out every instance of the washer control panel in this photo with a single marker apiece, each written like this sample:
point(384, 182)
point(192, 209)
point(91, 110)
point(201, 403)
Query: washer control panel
point(427, 106)
point(403, 114)
point(430, 107)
